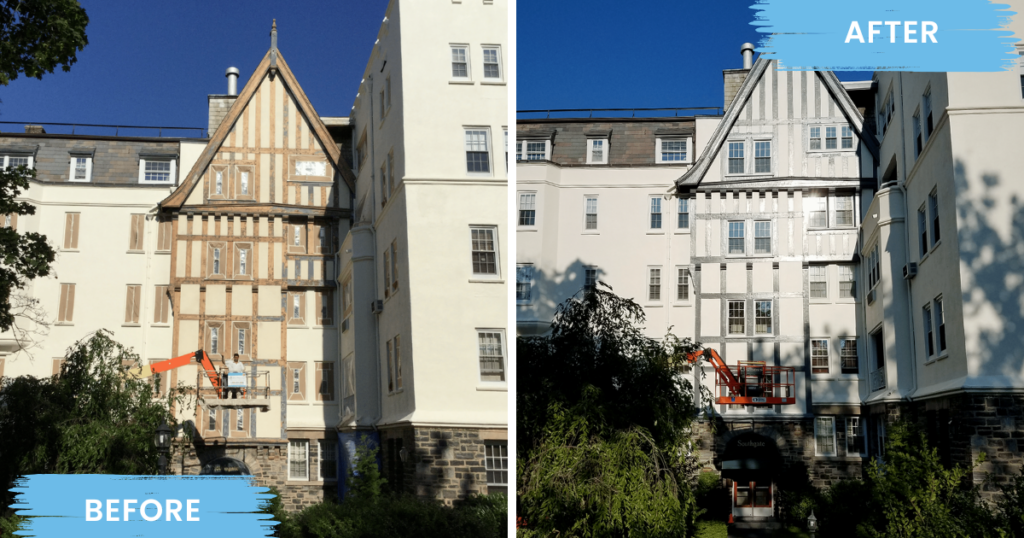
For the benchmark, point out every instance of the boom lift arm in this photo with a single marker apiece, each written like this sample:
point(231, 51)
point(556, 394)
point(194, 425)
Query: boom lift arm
point(749, 382)
point(200, 356)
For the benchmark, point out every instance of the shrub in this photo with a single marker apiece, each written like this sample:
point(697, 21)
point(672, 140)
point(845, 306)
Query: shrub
point(712, 529)
point(405, 515)
point(10, 524)
point(712, 498)
point(1010, 508)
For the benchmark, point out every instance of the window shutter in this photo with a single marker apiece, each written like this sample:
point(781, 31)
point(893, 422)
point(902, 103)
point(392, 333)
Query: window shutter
point(314, 234)
point(161, 305)
point(70, 230)
point(14, 221)
point(398, 362)
point(164, 239)
point(236, 262)
point(137, 227)
point(67, 303)
point(57, 363)
point(129, 305)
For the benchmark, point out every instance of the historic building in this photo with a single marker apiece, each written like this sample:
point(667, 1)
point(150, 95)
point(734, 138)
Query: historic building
point(367, 304)
point(862, 234)
point(422, 272)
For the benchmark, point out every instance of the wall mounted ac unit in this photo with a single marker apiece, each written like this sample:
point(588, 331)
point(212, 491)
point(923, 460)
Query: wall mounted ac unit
point(377, 306)
point(909, 271)
point(871, 296)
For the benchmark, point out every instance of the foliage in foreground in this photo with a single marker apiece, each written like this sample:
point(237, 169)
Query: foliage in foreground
point(603, 421)
point(908, 495)
point(89, 419)
point(24, 256)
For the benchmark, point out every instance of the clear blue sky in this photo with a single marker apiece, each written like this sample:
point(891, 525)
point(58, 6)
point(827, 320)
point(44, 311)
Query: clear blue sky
point(640, 53)
point(154, 63)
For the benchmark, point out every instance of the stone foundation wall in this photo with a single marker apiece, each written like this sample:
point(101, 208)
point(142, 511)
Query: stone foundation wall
point(268, 464)
point(795, 440)
point(448, 463)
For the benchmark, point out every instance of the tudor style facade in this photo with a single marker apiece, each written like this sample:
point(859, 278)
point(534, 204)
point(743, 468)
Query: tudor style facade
point(750, 249)
point(254, 230)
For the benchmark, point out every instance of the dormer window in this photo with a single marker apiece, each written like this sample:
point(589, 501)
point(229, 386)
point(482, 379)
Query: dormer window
point(597, 147)
point(81, 168)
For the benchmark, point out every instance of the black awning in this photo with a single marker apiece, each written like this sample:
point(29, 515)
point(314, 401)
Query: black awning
point(751, 456)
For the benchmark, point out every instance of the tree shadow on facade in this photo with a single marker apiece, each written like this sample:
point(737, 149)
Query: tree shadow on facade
point(547, 291)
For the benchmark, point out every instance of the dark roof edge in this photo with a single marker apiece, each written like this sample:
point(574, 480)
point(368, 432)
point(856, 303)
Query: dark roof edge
point(609, 120)
point(167, 139)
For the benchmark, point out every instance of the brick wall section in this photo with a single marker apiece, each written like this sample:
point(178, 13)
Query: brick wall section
point(795, 440)
point(448, 464)
point(632, 143)
point(115, 162)
point(269, 465)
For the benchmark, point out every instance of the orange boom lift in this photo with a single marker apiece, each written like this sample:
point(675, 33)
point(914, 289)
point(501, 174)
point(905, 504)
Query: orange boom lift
point(749, 382)
point(200, 356)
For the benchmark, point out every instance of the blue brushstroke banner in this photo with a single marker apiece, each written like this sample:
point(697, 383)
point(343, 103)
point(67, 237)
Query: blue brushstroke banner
point(112, 506)
point(887, 35)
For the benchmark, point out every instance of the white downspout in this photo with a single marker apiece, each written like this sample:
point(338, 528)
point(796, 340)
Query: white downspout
point(906, 233)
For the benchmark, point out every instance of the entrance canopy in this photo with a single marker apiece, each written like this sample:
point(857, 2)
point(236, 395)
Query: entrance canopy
point(751, 457)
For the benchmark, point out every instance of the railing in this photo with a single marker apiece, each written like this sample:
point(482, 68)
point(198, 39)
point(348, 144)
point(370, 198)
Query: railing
point(632, 111)
point(117, 128)
point(878, 379)
point(257, 387)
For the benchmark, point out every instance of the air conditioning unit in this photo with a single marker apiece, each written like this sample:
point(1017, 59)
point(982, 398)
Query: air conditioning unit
point(871, 296)
point(377, 306)
point(344, 325)
point(909, 271)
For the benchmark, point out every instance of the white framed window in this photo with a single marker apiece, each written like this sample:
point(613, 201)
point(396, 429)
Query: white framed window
point(218, 182)
point(81, 169)
point(524, 283)
point(14, 161)
point(216, 261)
point(527, 209)
point(819, 356)
point(478, 156)
point(298, 459)
point(829, 211)
point(847, 137)
point(597, 151)
point(737, 317)
point(885, 113)
point(590, 213)
point(296, 306)
point(874, 271)
point(922, 230)
point(391, 366)
point(242, 268)
point(763, 156)
point(589, 277)
point(818, 276)
point(814, 138)
point(484, 244)
point(918, 143)
point(536, 150)
point(856, 440)
point(672, 150)
point(655, 213)
point(683, 214)
point(736, 165)
point(460, 62)
point(241, 342)
point(492, 354)
point(940, 324)
point(737, 238)
point(328, 466)
point(926, 113)
point(933, 208)
point(492, 63)
point(929, 340)
point(830, 137)
point(682, 284)
point(847, 284)
point(243, 182)
point(214, 340)
point(763, 317)
point(654, 284)
point(496, 466)
point(762, 237)
point(156, 171)
point(824, 436)
point(239, 419)
point(848, 355)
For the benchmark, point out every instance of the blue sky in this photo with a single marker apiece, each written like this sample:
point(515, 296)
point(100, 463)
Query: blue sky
point(641, 53)
point(154, 63)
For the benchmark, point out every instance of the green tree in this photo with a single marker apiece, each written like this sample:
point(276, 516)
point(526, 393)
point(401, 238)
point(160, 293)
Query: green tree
point(603, 425)
point(914, 496)
point(25, 255)
point(89, 419)
point(37, 36)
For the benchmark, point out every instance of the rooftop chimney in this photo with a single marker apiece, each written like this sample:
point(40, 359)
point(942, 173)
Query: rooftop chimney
point(221, 103)
point(747, 50)
point(735, 77)
point(232, 74)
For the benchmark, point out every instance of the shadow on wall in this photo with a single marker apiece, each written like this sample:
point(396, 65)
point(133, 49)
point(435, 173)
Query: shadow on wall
point(547, 291)
point(990, 232)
